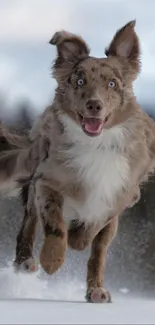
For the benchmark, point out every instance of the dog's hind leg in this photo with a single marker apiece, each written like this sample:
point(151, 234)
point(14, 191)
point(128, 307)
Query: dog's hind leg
point(25, 239)
point(80, 235)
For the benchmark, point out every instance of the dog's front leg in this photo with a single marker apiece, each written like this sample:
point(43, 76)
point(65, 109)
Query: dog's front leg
point(49, 204)
point(96, 264)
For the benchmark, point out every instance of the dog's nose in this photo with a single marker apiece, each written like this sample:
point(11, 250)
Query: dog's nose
point(94, 105)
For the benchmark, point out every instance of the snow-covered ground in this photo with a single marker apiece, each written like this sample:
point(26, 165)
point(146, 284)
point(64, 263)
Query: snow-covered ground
point(128, 311)
point(27, 299)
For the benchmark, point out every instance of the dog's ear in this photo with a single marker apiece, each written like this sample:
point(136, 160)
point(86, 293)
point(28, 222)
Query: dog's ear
point(125, 45)
point(70, 47)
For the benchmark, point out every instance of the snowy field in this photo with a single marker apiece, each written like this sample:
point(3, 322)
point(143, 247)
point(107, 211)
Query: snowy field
point(64, 303)
point(128, 311)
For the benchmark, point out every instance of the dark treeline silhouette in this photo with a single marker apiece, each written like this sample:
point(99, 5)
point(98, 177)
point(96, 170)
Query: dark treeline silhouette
point(18, 116)
point(21, 114)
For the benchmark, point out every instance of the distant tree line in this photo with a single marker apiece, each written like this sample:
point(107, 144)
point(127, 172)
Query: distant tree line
point(21, 114)
point(18, 116)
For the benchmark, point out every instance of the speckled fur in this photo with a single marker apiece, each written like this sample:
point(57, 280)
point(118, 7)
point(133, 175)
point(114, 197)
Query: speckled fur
point(89, 180)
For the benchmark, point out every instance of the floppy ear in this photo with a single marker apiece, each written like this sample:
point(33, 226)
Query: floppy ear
point(70, 48)
point(125, 45)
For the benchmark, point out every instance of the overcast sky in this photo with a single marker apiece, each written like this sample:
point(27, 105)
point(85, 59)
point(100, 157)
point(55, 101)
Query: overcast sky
point(26, 26)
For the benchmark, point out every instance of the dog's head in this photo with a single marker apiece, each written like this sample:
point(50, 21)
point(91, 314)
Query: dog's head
point(92, 90)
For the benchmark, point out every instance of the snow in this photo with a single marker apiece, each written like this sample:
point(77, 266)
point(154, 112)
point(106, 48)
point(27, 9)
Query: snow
point(127, 311)
point(28, 299)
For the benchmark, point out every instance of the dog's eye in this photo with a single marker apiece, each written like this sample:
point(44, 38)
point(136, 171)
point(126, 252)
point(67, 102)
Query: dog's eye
point(80, 82)
point(112, 84)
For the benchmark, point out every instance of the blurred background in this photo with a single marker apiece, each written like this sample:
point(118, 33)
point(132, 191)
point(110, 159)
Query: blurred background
point(26, 87)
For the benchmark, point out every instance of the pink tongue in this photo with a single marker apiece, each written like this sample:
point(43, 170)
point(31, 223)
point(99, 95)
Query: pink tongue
point(93, 126)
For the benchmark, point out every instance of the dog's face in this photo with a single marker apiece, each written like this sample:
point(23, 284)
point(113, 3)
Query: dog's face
point(93, 90)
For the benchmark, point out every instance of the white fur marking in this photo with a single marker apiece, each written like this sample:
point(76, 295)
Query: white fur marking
point(103, 171)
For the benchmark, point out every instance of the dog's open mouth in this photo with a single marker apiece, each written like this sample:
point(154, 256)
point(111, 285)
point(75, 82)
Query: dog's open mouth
point(91, 125)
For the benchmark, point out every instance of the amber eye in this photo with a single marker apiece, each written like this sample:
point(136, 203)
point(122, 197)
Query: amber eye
point(80, 82)
point(112, 84)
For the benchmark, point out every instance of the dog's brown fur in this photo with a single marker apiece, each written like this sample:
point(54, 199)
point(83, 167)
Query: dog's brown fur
point(94, 110)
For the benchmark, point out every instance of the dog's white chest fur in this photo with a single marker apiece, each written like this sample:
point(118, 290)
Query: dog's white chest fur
point(102, 171)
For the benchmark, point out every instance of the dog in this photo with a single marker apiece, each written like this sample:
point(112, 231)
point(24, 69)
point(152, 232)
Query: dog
point(86, 156)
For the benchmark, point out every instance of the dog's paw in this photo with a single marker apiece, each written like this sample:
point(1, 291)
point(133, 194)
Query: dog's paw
point(52, 255)
point(76, 243)
point(30, 265)
point(77, 237)
point(98, 295)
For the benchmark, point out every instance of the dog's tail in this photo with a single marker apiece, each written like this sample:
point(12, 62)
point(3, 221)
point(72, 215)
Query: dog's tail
point(14, 164)
point(10, 140)
point(17, 156)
